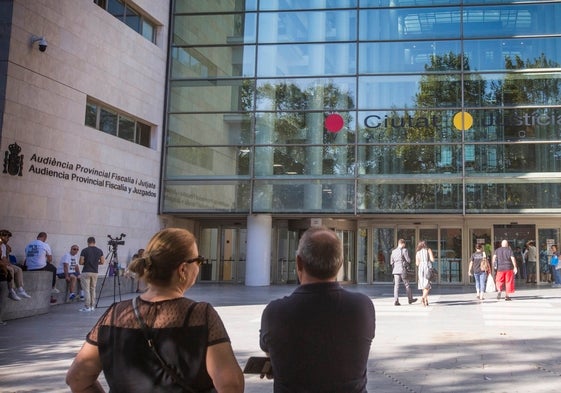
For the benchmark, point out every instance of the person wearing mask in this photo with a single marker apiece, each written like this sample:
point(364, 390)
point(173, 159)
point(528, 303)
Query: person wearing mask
point(424, 259)
point(160, 341)
point(318, 338)
point(400, 262)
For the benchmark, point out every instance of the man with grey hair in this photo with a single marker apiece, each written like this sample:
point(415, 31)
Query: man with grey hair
point(318, 338)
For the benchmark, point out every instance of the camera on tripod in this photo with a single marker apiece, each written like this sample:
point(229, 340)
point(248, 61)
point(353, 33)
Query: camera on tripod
point(116, 241)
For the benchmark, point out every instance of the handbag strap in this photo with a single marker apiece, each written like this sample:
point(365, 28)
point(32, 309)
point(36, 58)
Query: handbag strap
point(174, 376)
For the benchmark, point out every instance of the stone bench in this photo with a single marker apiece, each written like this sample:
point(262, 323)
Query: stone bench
point(38, 285)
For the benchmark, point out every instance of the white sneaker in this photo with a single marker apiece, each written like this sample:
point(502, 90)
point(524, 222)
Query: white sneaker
point(21, 292)
point(54, 290)
point(12, 295)
point(85, 309)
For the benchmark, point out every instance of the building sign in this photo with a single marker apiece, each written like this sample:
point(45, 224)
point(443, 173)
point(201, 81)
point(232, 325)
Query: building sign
point(76, 172)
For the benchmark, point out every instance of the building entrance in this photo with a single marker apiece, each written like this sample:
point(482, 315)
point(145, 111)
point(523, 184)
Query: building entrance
point(225, 250)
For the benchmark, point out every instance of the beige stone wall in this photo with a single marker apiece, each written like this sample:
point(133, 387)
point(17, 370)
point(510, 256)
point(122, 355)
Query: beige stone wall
point(83, 182)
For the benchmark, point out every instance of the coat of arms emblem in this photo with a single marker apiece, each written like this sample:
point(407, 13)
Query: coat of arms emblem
point(13, 161)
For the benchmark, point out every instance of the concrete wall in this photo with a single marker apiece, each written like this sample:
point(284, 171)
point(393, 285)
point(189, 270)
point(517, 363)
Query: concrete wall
point(90, 54)
point(38, 286)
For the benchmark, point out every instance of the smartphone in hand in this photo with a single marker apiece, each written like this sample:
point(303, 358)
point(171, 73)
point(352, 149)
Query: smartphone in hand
point(258, 365)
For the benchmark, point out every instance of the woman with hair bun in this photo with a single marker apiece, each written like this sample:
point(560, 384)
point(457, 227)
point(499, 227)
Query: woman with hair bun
point(160, 341)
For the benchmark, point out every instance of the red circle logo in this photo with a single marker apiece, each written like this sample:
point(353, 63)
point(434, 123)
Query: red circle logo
point(334, 122)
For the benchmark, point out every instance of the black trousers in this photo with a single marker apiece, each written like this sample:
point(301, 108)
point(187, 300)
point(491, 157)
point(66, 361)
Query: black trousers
point(48, 267)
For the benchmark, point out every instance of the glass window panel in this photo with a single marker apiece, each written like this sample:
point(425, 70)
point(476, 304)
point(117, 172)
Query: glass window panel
point(214, 6)
point(293, 196)
point(408, 3)
point(207, 161)
point(211, 96)
point(306, 59)
point(409, 159)
point(514, 158)
point(500, 197)
point(417, 197)
point(108, 121)
point(383, 242)
point(308, 4)
point(515, 20)
point(410, 91)
point(91, 114)
point(398, 57)
point(407, 126)
point(519, 89)
point(132, 19)
point(521, 124)
point(126, 128)
point(302, 128)
point(143, 134)
point(409, 23)
point(226, 29)
point(305, 160)
point(209, 129)
point(116, 8)
point(450, 255)
point(513, 54)
point(306, 94)
point(207, 197)
point(297, 26)
point(148, 30)
point(216, 61)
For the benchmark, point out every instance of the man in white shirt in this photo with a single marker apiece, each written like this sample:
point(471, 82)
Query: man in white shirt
point(69, 269)
point(38, 256)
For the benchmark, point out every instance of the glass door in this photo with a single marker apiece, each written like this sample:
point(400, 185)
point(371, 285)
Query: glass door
point(383, 240)
point(349, 268)
point(284, 266)
point(225, 250)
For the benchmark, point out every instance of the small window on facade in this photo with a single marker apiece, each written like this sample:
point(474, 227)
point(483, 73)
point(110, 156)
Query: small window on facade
point(132, 19)
point(108, 121)
point(143, 134)
point(91, 115)
point(128, 15)
point(126, 128)
point(114, 123)
point(148, 30)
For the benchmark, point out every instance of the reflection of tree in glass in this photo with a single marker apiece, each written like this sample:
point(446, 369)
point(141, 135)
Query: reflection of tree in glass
point(298, 118)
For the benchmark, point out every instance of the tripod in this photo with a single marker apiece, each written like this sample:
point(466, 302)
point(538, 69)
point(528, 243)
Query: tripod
point(113, 266)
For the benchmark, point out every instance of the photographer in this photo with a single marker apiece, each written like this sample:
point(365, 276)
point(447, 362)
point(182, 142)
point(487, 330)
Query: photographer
point(90, 257)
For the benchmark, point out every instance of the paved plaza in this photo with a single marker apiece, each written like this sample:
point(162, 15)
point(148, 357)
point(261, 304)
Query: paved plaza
point(457, 344)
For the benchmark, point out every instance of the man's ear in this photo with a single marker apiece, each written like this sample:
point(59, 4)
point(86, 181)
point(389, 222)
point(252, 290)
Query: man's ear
point(299, 263)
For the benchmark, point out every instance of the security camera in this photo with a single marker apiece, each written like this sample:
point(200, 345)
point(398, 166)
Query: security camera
point(42, 42)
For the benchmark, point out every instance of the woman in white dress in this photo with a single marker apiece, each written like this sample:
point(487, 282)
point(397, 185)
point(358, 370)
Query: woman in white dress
point(424, 259)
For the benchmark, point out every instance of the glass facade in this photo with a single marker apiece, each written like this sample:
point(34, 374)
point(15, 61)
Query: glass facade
point(364, 107)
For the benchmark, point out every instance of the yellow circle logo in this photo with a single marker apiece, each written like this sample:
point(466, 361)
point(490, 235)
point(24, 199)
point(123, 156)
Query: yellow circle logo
point(463, 121)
